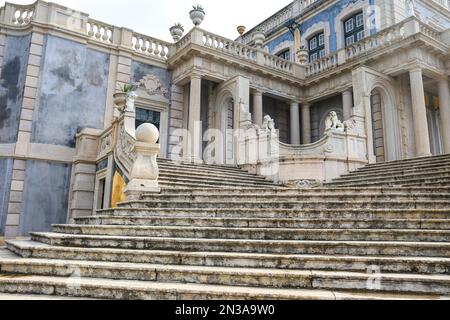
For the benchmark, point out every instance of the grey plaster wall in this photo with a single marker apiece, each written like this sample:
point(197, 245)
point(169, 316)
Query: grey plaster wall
point(73, 92)
point(45, 197)
point(6, 166)
point(139, 70)
point(12, 83)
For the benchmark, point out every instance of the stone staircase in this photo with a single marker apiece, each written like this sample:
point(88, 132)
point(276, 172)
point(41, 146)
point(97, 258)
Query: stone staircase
point(218, 232)
point(429, 171)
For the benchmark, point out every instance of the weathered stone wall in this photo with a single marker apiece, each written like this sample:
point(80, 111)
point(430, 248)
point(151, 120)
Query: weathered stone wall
point(140, 70)
point(13, 74)
point(5, 183)
point(72, 93)
point(45, 196)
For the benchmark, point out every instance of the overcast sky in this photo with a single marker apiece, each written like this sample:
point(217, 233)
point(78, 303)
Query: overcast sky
point(155, 17)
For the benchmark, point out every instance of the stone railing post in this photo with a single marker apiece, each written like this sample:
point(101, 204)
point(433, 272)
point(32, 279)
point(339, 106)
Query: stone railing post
point(144, 174)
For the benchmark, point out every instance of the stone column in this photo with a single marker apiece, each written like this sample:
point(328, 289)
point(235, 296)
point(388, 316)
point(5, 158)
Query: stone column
point(444, 105)
point(258, 108)
point(306, 123)
point(347, 103)
point(195, 126)
point(419, 113)
point(295, 123)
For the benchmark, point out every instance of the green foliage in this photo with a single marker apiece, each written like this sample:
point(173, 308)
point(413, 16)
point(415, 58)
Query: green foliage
point(198, 8)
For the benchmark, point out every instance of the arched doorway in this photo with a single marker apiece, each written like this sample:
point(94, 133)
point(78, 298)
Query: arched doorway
point(385, 125)
point(226, 118)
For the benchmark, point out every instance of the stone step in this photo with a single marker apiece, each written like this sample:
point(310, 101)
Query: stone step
point(212, 177)
point(409, 162)
point(248, 197)
point(370, 169)
point(311, 191)
point(257, 233)
point(361, 248)
point(381, 178)
point(187, 183)
point(75, 272)
point(338, 213)
point(388, 264)
point(194, 172)
point(198, 166)
point(426, 181)
point(379, 204)
point(397, 173)
point(147, 290)
point(443, 224)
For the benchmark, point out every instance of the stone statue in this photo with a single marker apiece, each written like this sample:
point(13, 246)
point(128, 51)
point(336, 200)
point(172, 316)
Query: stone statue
point(410, 8)
point(332, 122)
point(268, 124)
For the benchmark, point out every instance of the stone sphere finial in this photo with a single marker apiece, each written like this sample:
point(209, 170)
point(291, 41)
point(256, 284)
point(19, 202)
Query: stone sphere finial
point(147, 133)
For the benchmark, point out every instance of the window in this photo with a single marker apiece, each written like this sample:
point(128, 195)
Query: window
point(316, 47)
point(286, 55)
point(147, 116)
point(354, 29)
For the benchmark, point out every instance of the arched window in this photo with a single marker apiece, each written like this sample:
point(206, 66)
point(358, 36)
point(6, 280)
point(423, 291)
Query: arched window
point(316, 46)
point(285, 54)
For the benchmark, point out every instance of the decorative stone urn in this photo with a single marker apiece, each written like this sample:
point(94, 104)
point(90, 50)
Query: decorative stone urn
point(120, 100)
point(259, 37)
point(303, 55)
point(177, 32)
point(241, 30)
point(125, 101)
point(197, 15)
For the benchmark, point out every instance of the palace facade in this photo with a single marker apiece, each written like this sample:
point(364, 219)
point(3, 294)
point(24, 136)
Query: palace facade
point(263, 102)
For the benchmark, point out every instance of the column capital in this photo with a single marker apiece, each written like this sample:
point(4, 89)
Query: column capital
point(257, 92)
point(347, 91)
point(195, 76)
point(415, 69)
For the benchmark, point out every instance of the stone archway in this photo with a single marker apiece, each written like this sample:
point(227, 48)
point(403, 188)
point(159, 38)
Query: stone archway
point(385, 124)
point(225, 123)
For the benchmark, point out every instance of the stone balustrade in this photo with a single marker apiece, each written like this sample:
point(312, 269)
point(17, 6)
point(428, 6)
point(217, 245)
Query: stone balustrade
point(234, 48)
point(323, 64)
point(278, 63)
point(100, 31)
point(17, 15)
point(151, 46)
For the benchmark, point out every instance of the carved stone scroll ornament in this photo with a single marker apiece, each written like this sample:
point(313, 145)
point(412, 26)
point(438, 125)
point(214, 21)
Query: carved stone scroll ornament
point(152, 85)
